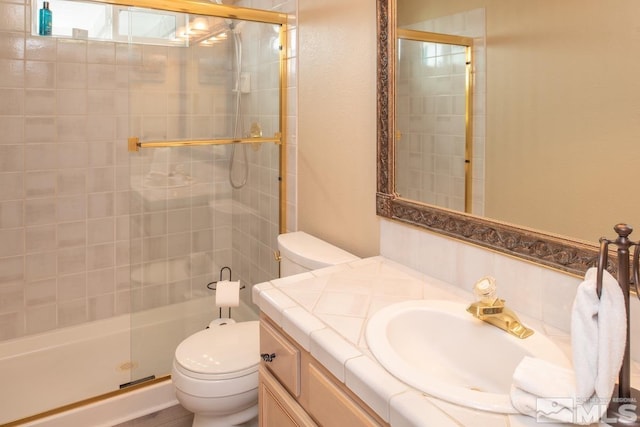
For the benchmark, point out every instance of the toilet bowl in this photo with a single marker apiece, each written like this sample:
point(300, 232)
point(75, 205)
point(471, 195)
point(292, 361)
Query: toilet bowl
point(215, 374)
point(215, 371)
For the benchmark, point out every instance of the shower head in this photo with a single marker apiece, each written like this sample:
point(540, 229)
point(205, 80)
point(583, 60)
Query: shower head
point(231, 25)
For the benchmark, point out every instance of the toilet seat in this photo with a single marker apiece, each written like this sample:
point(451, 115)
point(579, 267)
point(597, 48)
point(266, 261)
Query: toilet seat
point(220, 352)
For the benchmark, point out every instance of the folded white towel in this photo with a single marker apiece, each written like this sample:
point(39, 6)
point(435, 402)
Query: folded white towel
point(598, 337)
point(546, 392)
point(543, 378)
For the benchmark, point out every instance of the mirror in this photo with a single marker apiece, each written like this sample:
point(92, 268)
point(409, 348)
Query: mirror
point(561, 117)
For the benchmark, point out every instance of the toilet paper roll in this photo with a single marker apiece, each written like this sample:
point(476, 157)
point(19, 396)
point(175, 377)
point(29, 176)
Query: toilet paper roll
point(227, 293)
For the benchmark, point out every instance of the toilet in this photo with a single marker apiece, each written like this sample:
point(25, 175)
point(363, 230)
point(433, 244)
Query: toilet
point(215, 371)
point(300, 252)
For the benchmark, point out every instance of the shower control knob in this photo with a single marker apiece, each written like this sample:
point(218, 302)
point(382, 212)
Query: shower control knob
point(268, 357)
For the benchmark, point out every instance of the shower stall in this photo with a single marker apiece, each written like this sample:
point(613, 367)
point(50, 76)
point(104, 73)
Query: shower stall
point(169, 174)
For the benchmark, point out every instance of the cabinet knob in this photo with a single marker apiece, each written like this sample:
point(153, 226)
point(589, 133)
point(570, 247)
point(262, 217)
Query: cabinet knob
point(268, 357)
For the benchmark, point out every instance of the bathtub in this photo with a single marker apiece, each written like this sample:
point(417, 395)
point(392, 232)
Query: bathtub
point(46, 371)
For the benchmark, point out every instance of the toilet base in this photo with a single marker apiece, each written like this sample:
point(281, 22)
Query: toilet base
point(243, 418)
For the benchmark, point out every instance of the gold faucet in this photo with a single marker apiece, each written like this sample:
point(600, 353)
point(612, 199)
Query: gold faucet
point(492, 310)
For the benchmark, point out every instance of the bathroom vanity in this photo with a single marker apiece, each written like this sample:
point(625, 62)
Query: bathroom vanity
point(295, 389)
point(324, 373)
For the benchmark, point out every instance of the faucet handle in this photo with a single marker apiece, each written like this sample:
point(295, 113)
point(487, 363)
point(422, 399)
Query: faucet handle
point(485, 290)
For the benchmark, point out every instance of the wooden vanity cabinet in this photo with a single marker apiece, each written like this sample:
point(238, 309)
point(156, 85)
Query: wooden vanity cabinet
point(276, 407)
point(296, 390)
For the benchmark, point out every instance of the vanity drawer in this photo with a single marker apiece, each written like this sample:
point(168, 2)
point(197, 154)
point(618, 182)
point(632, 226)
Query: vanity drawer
point(286, 364)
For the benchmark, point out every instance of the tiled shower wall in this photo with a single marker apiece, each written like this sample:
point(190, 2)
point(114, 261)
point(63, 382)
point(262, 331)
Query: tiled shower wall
point(65, 190)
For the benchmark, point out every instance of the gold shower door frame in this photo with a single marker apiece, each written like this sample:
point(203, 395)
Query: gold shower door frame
point(221, 11)
point(244, 14)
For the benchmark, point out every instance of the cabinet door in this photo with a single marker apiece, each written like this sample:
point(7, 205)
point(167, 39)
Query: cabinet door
point(330, 406)
point(277, 407)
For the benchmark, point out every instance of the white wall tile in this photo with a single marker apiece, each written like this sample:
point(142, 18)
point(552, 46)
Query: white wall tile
point(12, 130)
point(16, 238)
point(72, 312)
point(71, 101)
point(40, 129)
point(100, 230)
point(12, 17)
point(71, 234)
point(11, 158)
point(101, 52)
point(40, 156)
point(72, 260)
point(100, 205)
point(11, 73)
point(68, 75)
point(41, 292)
point(72, 287)
point(39, 239)
point(72, 51)
point(12, 102)
point(72, 155)
point(40, 265)
point(101, 256)
point(11, 214)
point(11, 46)
point(40, 184)
point(40, 102)
point(40, 75)
point(72, 208)
point(40, 211)
point(12, 269)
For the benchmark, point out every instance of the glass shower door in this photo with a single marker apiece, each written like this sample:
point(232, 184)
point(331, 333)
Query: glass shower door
point(195, 210)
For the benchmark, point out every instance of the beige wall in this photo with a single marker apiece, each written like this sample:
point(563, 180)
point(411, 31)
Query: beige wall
point(337, 123)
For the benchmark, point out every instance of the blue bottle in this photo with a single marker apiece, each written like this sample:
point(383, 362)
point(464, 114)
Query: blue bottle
point(44, 28)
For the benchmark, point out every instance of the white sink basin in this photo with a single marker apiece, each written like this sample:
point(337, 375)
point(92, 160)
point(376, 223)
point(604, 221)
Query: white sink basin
point(443, 351)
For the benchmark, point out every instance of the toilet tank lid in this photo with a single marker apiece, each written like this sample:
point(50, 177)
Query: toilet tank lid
point(311, 252)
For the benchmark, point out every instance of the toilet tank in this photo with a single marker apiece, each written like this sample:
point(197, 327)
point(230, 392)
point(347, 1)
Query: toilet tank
point(300, 252)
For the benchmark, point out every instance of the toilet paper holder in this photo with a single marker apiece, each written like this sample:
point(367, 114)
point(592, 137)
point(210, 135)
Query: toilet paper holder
point(212, 286)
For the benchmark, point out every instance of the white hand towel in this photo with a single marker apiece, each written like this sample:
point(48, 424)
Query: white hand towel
point(543, 378)
point(546, 392)
point(598, 335)
point(543, 390)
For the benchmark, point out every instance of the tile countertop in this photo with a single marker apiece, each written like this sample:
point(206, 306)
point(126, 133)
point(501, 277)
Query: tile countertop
point(326, 311)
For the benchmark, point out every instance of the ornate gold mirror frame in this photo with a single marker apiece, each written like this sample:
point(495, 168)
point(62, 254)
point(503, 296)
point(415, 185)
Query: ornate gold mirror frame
point(553, 251)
